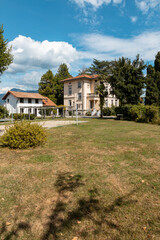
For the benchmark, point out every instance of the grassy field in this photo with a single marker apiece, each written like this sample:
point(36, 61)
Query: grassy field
point(98, 180)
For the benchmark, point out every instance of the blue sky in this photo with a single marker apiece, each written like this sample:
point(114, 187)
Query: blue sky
point(45, 33)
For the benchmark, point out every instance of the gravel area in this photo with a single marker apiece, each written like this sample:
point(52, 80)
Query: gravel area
point(47, 124)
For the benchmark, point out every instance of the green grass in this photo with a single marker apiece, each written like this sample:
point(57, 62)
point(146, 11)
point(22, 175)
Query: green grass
point(98, 180)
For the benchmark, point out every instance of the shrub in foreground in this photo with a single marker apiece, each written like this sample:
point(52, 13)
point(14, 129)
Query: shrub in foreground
point(23, 135)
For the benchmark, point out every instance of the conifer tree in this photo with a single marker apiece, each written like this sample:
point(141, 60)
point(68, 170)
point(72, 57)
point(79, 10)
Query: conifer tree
point(6, 57)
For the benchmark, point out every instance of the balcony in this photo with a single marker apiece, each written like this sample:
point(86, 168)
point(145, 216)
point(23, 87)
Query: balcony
point(93, 96)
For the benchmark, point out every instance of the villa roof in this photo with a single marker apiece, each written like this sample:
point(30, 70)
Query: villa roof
point(86, 76)
point(48, 103)
point(23, 95)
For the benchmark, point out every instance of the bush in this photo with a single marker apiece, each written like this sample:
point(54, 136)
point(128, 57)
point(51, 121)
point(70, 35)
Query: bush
point(18, 116)
point(3, 112)
point(109, 111)
point(32, 116)
point(88, 113)
point(139, 113)
point(23, 135)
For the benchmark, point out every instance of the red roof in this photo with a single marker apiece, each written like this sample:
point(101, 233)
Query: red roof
point(80, 77)
point(23, 95)
point(48, 103)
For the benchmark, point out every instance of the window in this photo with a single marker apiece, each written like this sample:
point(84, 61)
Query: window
point(79, 84)
point(21, 100)
point(70, 90)
point(37, 101)
point(111, 102)
point(8, 100)
point(79, 96)
point(70, 103)
point(29, 100)
point(106, 103)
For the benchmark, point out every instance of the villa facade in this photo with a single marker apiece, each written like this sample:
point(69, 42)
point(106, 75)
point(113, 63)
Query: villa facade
point(80, 93)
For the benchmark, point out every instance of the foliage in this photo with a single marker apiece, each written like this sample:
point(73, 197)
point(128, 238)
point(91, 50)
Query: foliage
point(109, 111)
point(139, 113)
point(50, 85)
point(100, 68)
point(19, 116)
point(127, 80)
point(88, 113)
point(3, 112)
point(6, 57)
point(153, 82)
point(23, 135)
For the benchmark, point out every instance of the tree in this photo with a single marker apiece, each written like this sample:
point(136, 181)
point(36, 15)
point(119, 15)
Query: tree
point(153, 82)
point(62, 73)
point(6, 57)
point(127, 79)
point(152, 91)
point(50, 85)
point(46, 86)
point(101, 68)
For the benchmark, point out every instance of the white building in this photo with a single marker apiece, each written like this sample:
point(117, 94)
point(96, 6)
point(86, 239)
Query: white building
point(27, 103)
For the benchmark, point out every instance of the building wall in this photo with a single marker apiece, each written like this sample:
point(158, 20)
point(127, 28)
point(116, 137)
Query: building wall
point(14, 105)
point(87, 87)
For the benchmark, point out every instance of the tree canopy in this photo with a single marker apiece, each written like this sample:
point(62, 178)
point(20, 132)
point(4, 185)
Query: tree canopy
point(153, 83)
point(127, 79)
point(6, 57)
point(50, 85)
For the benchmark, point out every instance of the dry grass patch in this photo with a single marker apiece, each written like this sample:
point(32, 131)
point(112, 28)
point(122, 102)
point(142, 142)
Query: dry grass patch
point(92, 181)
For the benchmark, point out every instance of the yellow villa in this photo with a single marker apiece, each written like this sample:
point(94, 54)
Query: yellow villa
point(80, 94)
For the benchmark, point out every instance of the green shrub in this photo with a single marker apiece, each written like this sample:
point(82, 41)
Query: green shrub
point(3, 112)
point(23, 135)
point(152, 114)
point(32, 116)
point(88, 113)
point(18, 116)
point(109, 111)
point(139, 113)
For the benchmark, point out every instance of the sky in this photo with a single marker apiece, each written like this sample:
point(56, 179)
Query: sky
point(46, 33)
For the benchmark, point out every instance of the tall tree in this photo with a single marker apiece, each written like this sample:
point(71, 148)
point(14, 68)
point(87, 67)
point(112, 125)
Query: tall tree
point(127, 79)
point(101, 68)
point(6, 57)
point(50, 85)
point(47, 86)
point(152, 91)
point(61, 74)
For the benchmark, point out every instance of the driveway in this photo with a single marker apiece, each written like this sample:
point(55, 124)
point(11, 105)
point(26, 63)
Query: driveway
point(46, 124)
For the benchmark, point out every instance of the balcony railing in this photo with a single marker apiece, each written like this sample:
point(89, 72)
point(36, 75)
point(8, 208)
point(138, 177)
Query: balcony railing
point(93, 95)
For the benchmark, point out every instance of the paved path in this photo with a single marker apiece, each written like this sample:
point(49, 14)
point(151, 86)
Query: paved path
point(46, 124)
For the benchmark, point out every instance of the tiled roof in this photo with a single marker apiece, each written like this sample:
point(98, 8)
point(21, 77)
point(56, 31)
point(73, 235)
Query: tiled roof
point(48, 103)
point(80, 77)
point(23, 95)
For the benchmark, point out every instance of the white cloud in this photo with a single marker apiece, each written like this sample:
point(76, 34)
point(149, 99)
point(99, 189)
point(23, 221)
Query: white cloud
point(134, 19)
point(145, 5)
point(96, 3)
point(5, 89)
point(109, 48)
point(31, 54)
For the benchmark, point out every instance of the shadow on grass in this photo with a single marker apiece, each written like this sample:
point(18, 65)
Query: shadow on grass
point(14, 232)
point(87, 208)
point(62, 217)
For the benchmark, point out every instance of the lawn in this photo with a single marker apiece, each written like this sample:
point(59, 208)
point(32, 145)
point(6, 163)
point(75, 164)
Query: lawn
point(98, 180)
